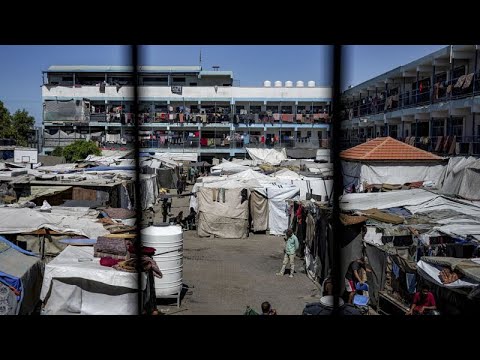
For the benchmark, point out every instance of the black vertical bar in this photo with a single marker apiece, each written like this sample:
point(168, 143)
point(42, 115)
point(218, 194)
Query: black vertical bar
point(432, 90)
point(136, 143)
point(475, 70)
point(337, 227)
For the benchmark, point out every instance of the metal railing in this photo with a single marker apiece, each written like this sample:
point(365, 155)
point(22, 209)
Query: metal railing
point(456, 88)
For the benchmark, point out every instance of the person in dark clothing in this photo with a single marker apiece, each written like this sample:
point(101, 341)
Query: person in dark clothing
point(165, 209)
point(190, 218)
point(267, 309)
point(352, 277)
point(179, 218)
point(179, 186)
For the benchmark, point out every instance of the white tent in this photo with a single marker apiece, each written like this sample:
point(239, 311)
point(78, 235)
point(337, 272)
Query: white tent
point(276, 194)
point(76, 283)
point(357, 174)
point(385, 160)
point(267, 156)
point(306, 185)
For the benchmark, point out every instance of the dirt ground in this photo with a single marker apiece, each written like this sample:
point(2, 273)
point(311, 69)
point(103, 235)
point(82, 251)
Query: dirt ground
point(223, 276)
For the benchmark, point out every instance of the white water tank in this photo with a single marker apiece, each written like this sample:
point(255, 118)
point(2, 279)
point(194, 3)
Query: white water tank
point(267, 83)
point(311, 83)
point(167, 240)
point(288, 83)
point(300, 83)
point(278, 83)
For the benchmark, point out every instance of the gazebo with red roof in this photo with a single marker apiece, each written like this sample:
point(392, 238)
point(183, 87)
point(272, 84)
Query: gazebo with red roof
point(388, 161)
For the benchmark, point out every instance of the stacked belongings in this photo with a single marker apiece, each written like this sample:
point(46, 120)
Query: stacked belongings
point(115, 248)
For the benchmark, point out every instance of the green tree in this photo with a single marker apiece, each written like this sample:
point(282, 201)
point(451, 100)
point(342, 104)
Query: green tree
point(22, 124)
point(6, 129)
point(79, 150)
point(58, 151)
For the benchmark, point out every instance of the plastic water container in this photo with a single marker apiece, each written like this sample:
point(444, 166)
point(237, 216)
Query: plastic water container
point(168, 243)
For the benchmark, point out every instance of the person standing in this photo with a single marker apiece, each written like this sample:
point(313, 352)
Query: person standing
point(352, 277)
point(291, 246)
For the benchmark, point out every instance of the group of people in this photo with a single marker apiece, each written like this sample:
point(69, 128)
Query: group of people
point(423, 301)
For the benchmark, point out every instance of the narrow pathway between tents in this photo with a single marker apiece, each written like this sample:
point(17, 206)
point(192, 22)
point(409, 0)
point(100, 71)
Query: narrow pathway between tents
point(223, 276)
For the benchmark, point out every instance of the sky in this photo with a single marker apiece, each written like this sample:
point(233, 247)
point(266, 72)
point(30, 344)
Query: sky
point(21, 66)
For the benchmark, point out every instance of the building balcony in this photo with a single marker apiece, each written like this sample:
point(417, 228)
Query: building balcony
point(465, 86)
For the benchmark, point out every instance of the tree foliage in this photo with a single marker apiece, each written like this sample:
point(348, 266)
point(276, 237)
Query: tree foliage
point(22, 124)
point(16, 126)
point(79, 150)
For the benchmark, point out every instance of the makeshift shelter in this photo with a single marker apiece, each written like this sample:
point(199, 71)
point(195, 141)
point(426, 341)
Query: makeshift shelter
point(461, 296)
point(223, 212)
point(267, 156)
point(462, 178)
point(76, 283)
point(267, 191)
point(21, 275)
point(388, 161)
point(308, 186)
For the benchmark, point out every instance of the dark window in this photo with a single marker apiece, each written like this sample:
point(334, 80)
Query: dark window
point(457, 127)
point(193, 84)
point(437, 127)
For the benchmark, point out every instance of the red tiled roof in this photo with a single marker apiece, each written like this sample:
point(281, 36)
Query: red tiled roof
point(387, 148)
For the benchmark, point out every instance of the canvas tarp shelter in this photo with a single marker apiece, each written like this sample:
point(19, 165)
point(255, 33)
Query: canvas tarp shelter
point(462, 178)
point(23, 271)
point(76, 283)
point(148, 190)
point(358, 173)
point(278, 207)
point(222, 212)
point(259, 211)
point(267, 156)
point(64, 220)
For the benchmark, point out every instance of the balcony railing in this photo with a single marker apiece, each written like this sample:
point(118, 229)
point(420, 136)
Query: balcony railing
point(460, 87)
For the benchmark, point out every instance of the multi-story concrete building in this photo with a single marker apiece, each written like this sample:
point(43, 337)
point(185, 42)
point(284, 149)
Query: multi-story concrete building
point(181, 109)
point(431, 102)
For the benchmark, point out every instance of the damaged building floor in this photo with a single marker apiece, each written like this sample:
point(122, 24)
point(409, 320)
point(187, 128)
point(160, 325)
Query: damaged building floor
point(224, 276)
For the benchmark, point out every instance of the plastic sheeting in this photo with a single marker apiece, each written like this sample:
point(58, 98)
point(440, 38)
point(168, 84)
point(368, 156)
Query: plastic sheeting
point(86, 287)
point(355, 173)
point(148, 190)
point(27, 270)
point(73, 221)
point(229, 168)
point(267, 156)
point(385, 200)
point(433, 272)
point(462, 178)
point(193, 157)
point(278, 207)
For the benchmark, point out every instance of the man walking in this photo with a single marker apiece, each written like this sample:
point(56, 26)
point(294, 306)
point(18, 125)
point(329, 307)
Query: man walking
point(291, 246)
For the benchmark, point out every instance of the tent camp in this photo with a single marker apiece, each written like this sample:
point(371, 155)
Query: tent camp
point(21, 274)
point(388, 161)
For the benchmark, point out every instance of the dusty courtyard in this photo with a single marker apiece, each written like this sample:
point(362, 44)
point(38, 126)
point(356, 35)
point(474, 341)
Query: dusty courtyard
point(223, 276)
